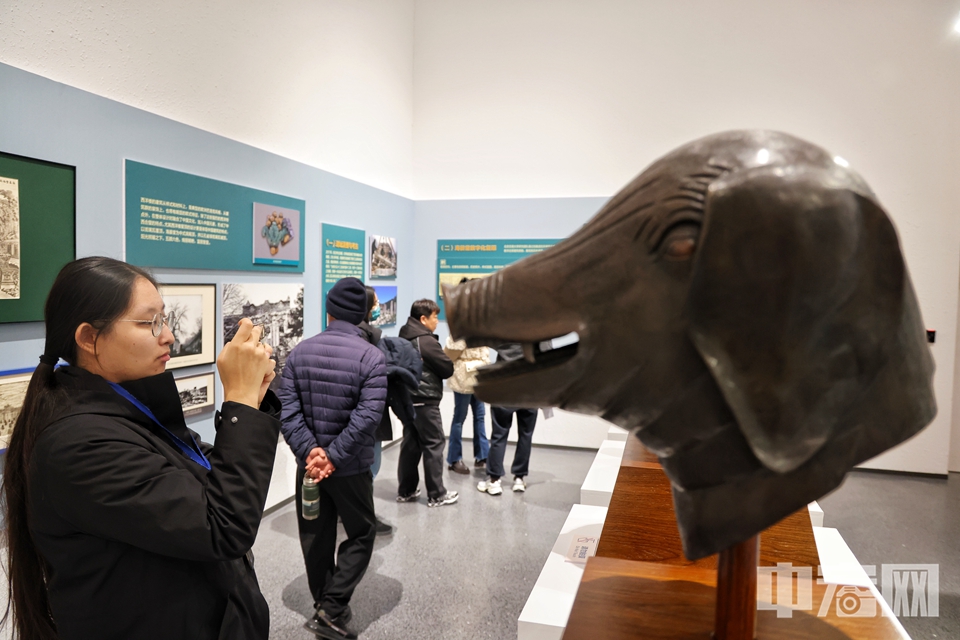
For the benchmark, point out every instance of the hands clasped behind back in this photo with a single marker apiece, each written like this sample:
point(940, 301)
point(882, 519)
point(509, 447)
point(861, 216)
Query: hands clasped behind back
point(246, 369)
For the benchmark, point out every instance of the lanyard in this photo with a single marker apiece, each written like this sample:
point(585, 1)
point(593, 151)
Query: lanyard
point(193, 453)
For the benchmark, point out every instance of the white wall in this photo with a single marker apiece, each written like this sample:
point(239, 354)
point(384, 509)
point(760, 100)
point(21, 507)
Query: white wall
point(544, 98)
point(562, 98)
point(326, 82)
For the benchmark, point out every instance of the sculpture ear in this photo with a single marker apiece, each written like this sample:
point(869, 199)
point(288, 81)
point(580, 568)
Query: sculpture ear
point(797, 282)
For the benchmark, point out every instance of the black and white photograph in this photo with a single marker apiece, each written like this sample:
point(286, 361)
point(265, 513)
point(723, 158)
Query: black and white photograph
point(191, 316)
point(13, 388)
point(196, 393)
point(9, 238)
point(275, 306)
point(383, 257)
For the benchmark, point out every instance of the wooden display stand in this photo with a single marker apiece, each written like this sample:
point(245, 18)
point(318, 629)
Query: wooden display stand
point(641, 586)
point(621, 600)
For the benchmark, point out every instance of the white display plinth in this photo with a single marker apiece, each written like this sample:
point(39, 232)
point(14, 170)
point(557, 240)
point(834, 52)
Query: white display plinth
point(816, 514)
point(544, 616)
point(839, 566)
point(617, 433)
point(598, 486)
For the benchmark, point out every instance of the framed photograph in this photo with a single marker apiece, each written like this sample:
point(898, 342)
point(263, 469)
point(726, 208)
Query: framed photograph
point(276, 232)
point(13, 389)
point(196, 393)
point(383, 257)
point(275, 306)
point(191, 314)
point(37, 232)
point(387, 297)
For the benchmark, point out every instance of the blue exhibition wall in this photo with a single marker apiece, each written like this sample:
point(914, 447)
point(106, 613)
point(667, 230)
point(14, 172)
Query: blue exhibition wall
point(43, 119)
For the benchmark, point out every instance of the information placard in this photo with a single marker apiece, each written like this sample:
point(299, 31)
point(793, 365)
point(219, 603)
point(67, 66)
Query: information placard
point(343, 257)
point(458, 259)
point(179, 220)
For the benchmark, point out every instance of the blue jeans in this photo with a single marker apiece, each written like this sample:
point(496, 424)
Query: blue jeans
point(481, 446)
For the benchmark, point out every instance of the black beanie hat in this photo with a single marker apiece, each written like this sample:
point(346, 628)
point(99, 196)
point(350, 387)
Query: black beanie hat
point(347, 301)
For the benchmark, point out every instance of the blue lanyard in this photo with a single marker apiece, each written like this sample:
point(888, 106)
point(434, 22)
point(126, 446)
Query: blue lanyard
point(193, 453)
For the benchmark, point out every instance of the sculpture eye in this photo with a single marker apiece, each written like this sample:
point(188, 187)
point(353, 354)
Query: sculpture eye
point(681, 248)
point(680, 241)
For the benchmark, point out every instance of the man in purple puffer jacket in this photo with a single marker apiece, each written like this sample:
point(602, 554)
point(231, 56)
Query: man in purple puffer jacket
point(333, 390)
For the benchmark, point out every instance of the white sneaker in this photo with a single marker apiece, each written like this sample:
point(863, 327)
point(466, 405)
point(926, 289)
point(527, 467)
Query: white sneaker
point(519, 484)
point(490, 486)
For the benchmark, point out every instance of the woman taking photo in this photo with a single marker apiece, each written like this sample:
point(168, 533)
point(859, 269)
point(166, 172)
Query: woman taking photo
point(119, 524)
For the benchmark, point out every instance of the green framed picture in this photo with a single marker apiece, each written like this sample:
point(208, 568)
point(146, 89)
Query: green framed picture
point(37, 232)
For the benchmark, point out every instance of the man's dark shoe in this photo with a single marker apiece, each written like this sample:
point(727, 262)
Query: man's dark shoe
point(459, 467)
point(480, 464)
point(412, 497)
point(383, 529)
point(332, 628)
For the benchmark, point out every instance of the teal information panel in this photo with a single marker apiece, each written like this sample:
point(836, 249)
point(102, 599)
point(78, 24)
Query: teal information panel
point(183, 221)
point(343, 257)
point(458, 259)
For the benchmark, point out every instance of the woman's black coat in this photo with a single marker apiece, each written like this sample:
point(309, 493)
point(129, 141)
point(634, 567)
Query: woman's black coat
point(139, 540)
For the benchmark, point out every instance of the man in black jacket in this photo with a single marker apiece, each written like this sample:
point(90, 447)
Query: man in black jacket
point(426, 435)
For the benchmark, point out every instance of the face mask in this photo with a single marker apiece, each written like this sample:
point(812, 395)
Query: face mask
point(375, 313)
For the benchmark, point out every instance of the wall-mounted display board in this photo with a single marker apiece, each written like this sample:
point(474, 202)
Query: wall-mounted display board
point(343, 257)
point(387, 298)
point(13, 389)
point(37, 232)
point(383, 257)
point(197, 393)
point(458, 259)
point(192, 316)
point(182, 221)
point(277, 307)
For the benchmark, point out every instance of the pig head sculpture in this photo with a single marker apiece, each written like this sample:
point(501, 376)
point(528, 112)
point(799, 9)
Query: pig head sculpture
point(744, 304)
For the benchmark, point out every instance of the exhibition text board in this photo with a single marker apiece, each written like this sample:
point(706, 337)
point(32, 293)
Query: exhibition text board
point(343, 257)
point(458, 259)
point(183, 221)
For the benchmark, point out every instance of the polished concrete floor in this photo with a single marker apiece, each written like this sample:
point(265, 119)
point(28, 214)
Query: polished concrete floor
point(890, 518)
point(465, 570)
point(458, 571)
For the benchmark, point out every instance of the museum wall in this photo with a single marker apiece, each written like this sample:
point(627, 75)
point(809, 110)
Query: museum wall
point(544, 98)
point(540, 100)
point(325, 82)
point(50, 121)
point(542, 218)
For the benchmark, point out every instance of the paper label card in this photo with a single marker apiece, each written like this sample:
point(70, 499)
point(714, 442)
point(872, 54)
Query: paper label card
point(581, 548)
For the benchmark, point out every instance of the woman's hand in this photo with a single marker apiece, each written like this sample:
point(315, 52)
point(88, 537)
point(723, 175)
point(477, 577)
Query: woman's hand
point(245, 367)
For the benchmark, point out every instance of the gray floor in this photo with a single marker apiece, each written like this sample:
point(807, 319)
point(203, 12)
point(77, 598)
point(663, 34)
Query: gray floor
point(459, 571)
point(465, 571)
point(904, 519)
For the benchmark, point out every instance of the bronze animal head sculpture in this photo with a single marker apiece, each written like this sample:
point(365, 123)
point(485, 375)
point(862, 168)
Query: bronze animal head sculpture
point(745, 304)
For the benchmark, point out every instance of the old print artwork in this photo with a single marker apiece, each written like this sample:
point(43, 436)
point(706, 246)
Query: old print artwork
point(275, 235)
point(387, 297)
point(191, 311)
point(196, 393)
point(383, 257)
point(9, 238)
point(277, 307)
point(13, 388)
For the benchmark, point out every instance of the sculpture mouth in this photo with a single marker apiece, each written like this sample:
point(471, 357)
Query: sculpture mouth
point(537, 356)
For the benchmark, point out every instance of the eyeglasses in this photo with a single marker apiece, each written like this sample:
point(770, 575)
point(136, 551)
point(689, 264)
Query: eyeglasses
point(156, 323)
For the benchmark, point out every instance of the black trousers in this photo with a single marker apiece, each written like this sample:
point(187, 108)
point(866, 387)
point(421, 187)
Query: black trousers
point(502, 419)
point(423, 438)
point(351, 497)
